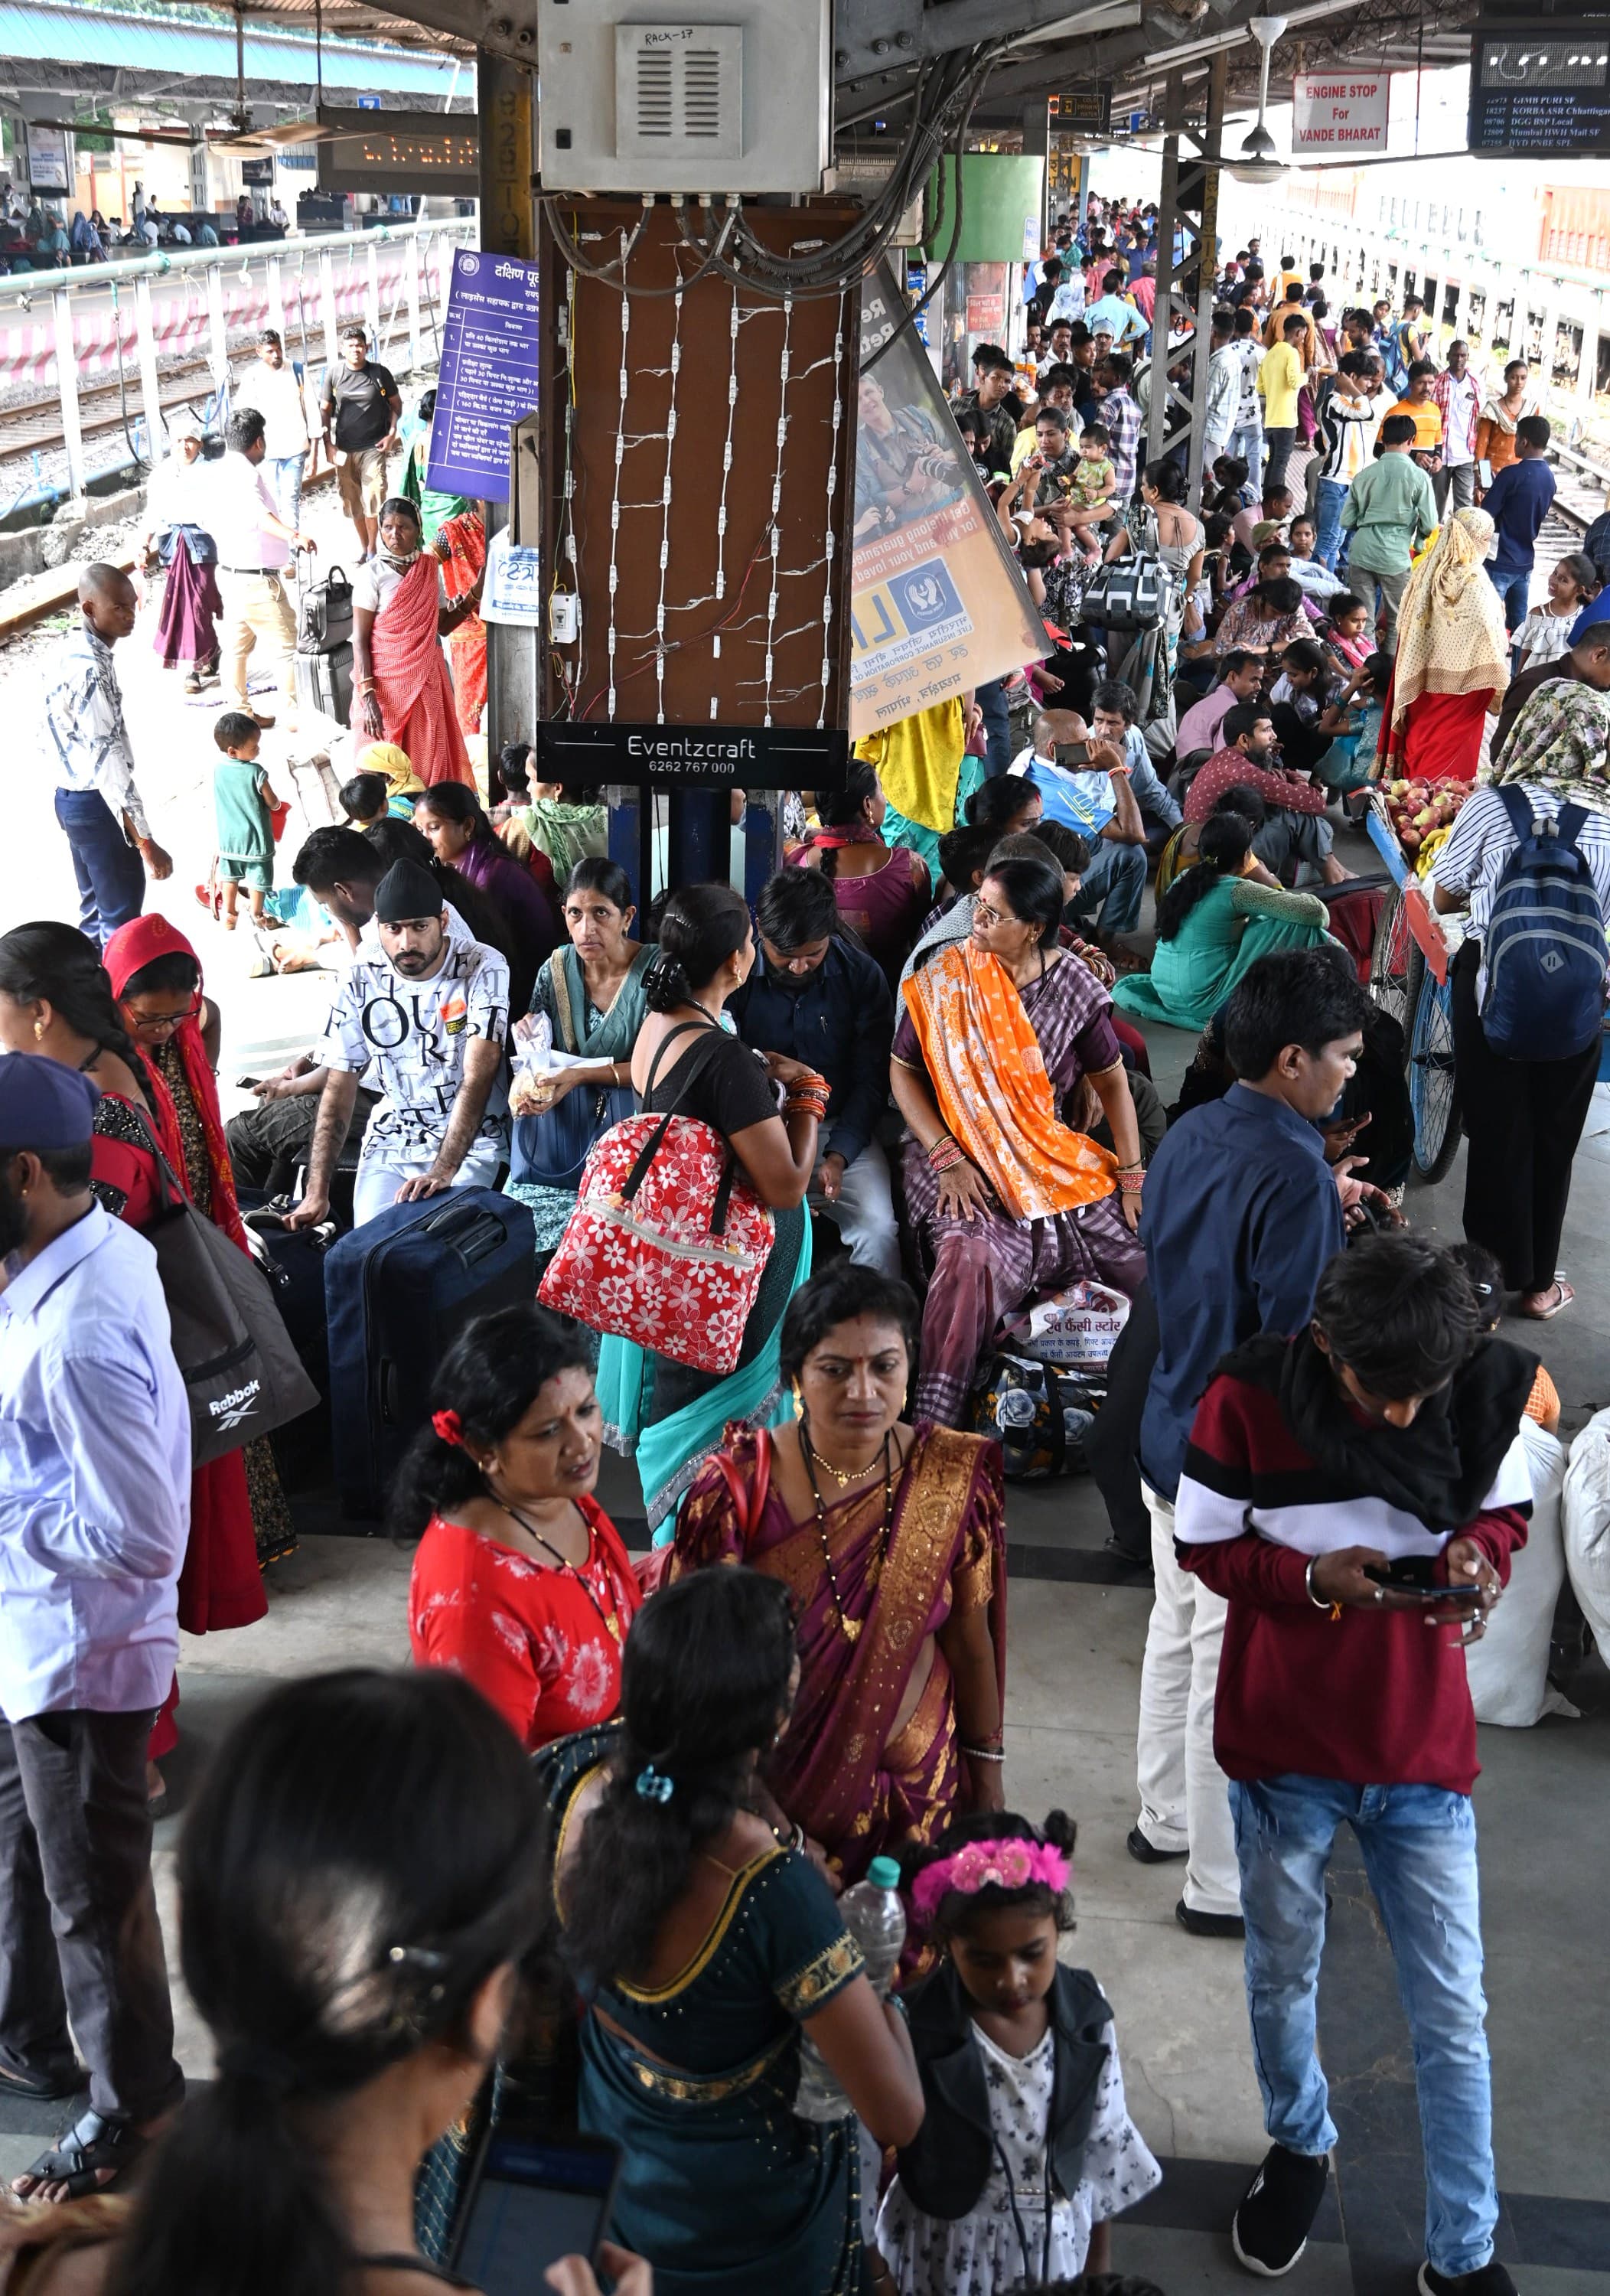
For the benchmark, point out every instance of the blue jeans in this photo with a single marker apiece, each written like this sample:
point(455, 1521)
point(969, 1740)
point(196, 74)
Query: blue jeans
point(285, 473)
point(1114, 883)
point(111, 874)
point(1332, 494)
point(1418, 1845)
point(997, 725)
point(1246, 440)
point(1515, 591)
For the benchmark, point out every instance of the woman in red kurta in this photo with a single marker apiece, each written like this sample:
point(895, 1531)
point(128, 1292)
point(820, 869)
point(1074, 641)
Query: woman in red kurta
point(521, 1582)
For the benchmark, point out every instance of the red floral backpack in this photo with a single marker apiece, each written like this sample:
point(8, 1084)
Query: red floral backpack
point(669, 1242)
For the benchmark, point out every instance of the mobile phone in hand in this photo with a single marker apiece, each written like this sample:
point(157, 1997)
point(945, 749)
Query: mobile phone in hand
point(533, 2197)
point(1074, 756)
point(1412, 1575)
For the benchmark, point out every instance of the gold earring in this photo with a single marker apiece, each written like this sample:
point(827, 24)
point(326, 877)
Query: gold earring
point(799, 1401)
point(39, 1032)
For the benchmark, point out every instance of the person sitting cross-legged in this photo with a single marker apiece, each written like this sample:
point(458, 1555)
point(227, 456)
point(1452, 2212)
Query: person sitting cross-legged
point(429, 1007)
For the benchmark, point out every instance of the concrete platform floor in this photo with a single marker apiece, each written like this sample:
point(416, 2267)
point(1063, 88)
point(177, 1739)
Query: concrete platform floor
point(1076, 1632)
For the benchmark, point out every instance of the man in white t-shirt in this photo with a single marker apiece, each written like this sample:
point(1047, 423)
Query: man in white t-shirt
point(255, 544)
point(273, 387)
point(424, 1007)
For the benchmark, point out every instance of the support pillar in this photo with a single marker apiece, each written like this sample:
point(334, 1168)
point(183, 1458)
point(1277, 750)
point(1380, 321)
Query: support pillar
point(506, 94)
point(67, 378)
point(1037, 146)
point(1188, 226)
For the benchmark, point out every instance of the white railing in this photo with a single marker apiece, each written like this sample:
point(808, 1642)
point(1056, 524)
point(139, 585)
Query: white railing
point(121, 319)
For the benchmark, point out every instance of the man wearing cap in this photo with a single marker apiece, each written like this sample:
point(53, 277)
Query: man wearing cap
point(97, 804)
point(94, 1514)
point(429, 1005)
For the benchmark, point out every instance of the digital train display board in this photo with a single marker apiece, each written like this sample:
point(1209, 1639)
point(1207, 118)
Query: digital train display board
point(1540, 89)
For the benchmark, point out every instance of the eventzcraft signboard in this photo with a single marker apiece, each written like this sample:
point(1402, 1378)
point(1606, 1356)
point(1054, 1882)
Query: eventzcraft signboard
point(699, 757)
point(1340, 111)
point(488, 373)
point(938, 604)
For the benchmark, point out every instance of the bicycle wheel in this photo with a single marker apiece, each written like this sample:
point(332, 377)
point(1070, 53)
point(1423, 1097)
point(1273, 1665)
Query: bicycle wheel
point(1389, 960)
point(1432, 1091)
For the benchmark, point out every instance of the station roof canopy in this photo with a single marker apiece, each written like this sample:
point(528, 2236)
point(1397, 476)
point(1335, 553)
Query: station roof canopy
point(106, 52)
point(1046, 45)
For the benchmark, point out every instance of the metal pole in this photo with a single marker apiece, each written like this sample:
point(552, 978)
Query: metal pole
point(506, 95)
point(67, 378)
point(327, 303)
point(146, 336)
point(1212, 140)
point(1168, 232)
point(217, 330)
point(276, 300)
point(372, 301)
point(411, 259)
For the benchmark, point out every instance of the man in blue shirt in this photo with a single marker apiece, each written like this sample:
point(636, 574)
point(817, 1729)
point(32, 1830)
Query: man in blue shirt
point(1517, 503)
point(1242, 1213)
point(817, 998)
point(1113, 313)
point(94, 1514)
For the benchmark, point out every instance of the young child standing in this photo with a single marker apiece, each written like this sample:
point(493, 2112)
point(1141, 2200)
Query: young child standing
point(1026, 2148)
point(1545, 634)
point(242, 797)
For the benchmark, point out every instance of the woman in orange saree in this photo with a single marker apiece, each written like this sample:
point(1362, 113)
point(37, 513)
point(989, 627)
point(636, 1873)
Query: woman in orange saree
point(1009, 1202)
point(402, 691)
point(890, 1538)
point(461, 544)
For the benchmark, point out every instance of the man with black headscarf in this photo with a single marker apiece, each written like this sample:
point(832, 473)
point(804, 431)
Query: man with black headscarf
point(429, 1006)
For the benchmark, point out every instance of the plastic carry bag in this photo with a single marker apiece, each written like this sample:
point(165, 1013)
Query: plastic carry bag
point(1509, 1668)
point(1077, 1327)
point(1585, 1512)
point(512, 593)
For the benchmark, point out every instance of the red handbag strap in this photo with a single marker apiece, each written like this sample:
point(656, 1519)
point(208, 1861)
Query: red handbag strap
point(750, 1502)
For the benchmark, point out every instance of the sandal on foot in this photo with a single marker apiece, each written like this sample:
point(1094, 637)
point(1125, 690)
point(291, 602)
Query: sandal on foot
point(45, 2088)
point(93, 2154)
point(1547, 1315)
point(192, 683)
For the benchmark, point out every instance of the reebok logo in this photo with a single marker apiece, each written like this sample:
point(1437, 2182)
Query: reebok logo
point(232, 1409)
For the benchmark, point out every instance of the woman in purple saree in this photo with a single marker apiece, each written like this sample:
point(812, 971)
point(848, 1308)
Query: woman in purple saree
point(890, 1538)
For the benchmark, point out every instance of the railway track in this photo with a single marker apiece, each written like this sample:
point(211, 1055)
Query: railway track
point(34, 427)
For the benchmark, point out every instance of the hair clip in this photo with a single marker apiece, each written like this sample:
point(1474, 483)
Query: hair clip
point(653, 1785)
point(449, 1426)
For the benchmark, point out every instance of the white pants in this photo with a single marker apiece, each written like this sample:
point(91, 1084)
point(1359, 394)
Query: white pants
point(1184, 1794)
point(864, 1211)
point(378, 1177)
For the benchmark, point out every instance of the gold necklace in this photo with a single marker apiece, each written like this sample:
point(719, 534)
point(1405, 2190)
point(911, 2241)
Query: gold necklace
point(851, 1627)
point(844, 1477)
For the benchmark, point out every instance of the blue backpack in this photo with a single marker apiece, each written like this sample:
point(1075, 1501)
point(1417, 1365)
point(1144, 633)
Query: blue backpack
point(1545, 942)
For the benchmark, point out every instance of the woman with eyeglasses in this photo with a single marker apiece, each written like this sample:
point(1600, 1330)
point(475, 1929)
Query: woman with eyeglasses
point(139, 1029)
point(1008, 1202)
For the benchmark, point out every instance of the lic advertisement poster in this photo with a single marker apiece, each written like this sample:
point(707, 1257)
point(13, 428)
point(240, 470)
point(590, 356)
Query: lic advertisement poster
point(937, 603)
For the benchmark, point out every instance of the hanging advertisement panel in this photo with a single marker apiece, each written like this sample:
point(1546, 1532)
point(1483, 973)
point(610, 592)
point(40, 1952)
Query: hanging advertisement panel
point(938, 604)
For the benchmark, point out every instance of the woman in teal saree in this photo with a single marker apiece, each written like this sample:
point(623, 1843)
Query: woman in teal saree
point(734, 1947)
point(591, 992)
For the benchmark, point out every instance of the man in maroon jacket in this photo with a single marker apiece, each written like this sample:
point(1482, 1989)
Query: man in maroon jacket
point(1355, 1494)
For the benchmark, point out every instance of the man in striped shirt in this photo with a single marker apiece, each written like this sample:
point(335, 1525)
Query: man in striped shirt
point(1354, 1495)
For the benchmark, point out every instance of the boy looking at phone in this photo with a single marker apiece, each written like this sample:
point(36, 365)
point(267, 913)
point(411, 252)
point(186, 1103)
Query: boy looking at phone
point(1355, 1494)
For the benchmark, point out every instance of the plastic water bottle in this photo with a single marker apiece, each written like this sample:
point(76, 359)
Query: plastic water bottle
point(875, 1918)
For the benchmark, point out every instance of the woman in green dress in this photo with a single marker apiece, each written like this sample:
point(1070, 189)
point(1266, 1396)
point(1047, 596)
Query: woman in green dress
point(591, 991)
point(1213, 924)
point(706, 1943)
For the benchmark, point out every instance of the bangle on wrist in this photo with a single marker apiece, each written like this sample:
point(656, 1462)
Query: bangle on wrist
point(1319, 1601)
point(984, 1753)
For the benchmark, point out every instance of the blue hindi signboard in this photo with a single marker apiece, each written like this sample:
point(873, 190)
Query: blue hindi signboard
point(488, 374)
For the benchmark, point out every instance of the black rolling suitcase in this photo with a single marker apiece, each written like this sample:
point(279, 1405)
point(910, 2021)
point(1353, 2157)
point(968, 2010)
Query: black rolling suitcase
point(397, 1291)
point(323, 656)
